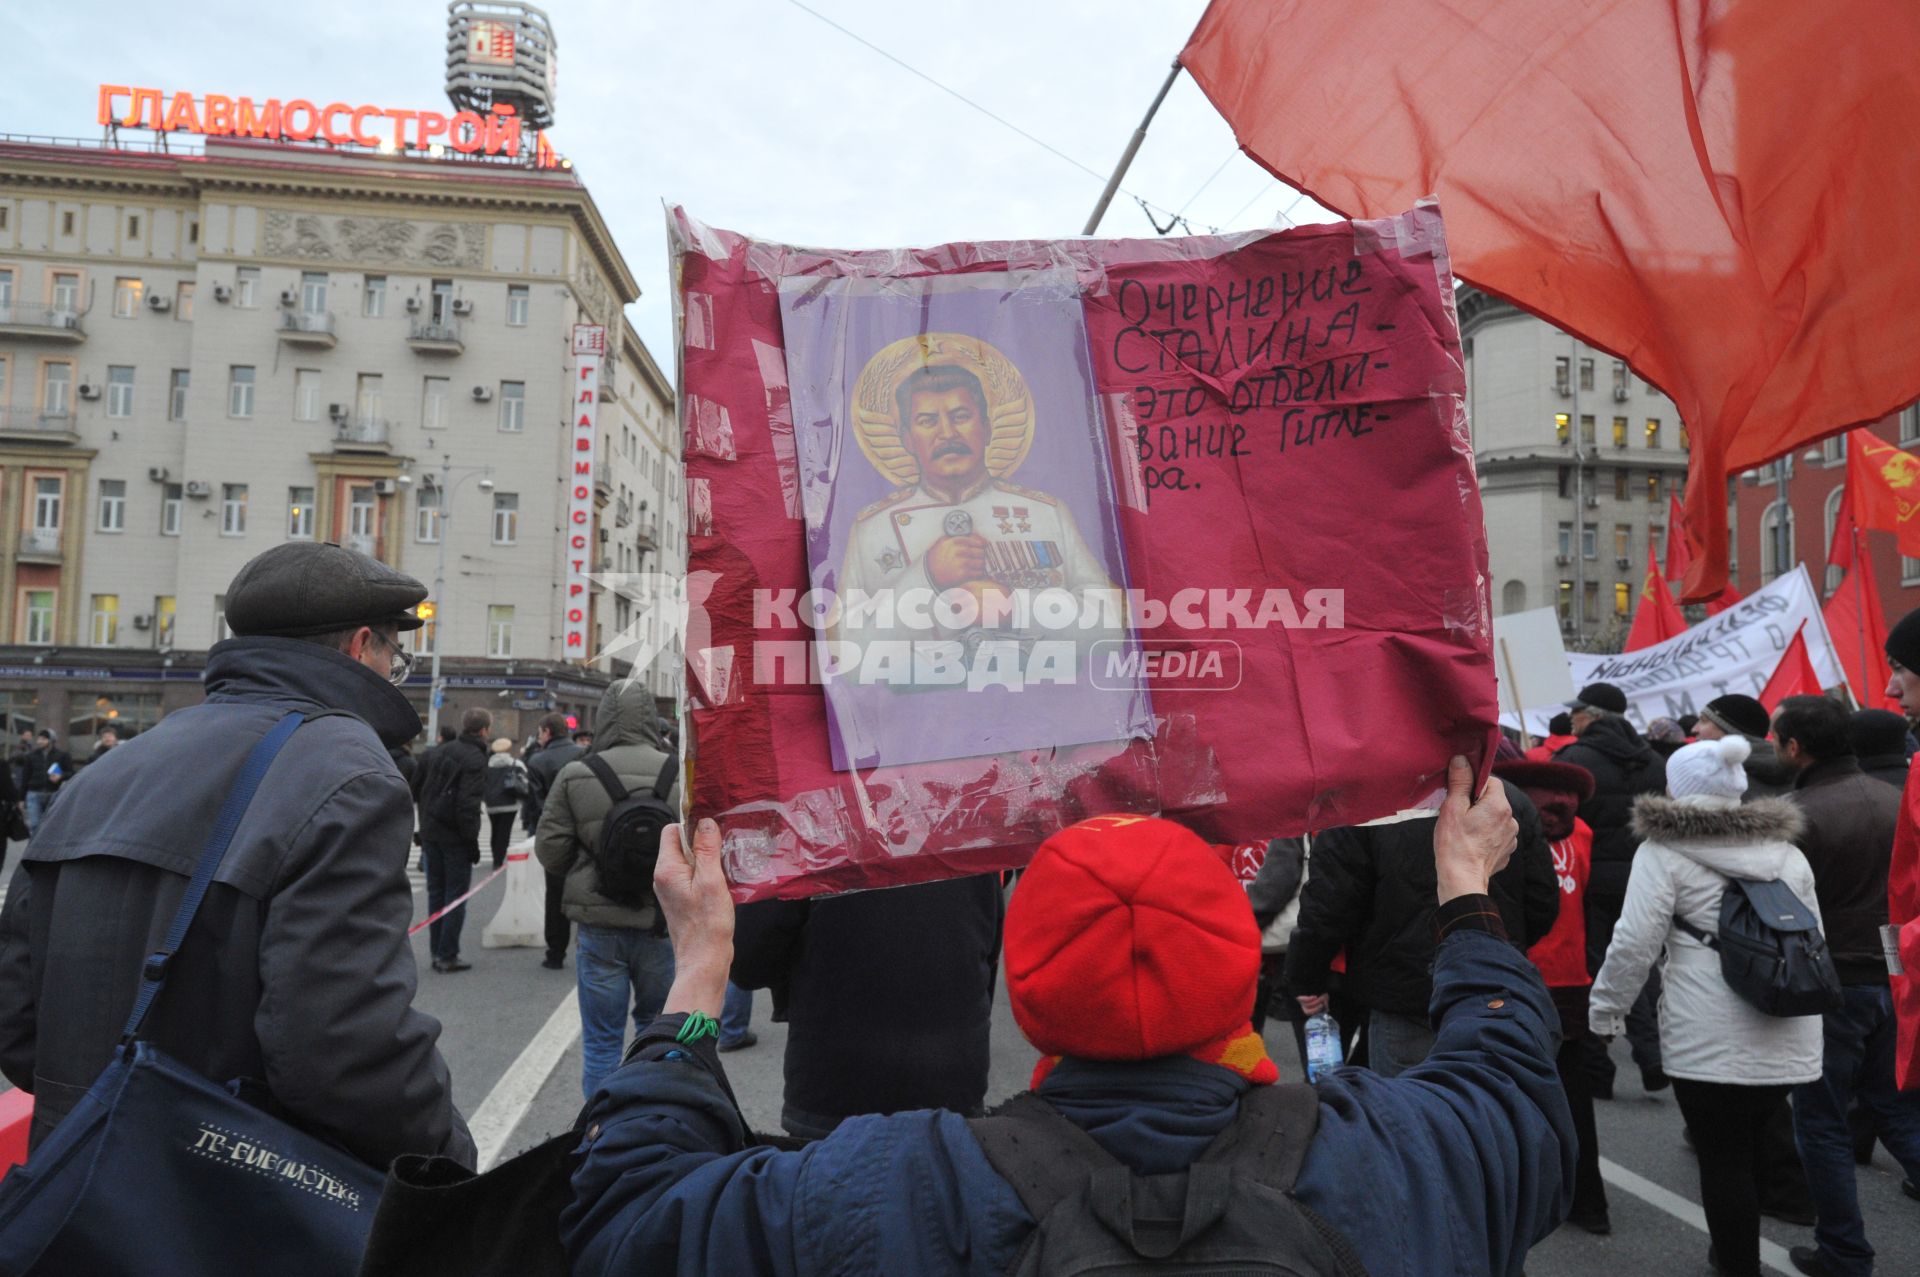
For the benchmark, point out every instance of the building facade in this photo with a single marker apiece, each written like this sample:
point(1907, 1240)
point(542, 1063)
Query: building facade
point(205, 354)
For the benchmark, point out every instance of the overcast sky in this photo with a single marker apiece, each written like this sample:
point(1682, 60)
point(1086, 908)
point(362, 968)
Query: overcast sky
point(754, 114)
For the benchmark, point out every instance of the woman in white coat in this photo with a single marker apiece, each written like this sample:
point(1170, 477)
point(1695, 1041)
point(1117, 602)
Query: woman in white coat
point(1731, 1065)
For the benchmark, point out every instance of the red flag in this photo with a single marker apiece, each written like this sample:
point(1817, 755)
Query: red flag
point(1656, 618)
point(1794, 675)
point(1733, 217)
point(1678, 556)
point(1883, 494)
point(1840, 553)
point(1724, 600)
point(1858, 629)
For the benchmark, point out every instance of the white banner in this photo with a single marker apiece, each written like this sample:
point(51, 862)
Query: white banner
point(1736, 651)
point(589, 347)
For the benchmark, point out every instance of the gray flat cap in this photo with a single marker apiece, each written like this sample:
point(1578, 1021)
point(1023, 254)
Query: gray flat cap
point(308, 587)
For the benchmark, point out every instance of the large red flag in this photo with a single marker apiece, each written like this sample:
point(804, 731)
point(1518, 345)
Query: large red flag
point(1859, 631)
point(1721, 194)
point(1724, 600)
point(1678, 556)
point(1883, 494)
point(1793, 676)
point(1656, 617)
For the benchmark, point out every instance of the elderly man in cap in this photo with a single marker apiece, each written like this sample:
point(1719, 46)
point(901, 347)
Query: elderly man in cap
point(1132, 960)
point(1623, 767)
point(295, 979)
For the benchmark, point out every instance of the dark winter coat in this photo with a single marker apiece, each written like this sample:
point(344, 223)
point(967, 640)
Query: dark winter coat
point(1891, 768)
point(40, 762)
point(404, 763)
point(452, 781)
point(1624, 766)
point(1768, 774)
point(543, 767)
point(1464, 1161)
point(1848, 841)
point(1373, 892)
point(297, 972)
point(889, 996)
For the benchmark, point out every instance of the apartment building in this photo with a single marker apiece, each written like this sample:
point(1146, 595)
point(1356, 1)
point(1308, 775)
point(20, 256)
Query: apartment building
point(205, 353)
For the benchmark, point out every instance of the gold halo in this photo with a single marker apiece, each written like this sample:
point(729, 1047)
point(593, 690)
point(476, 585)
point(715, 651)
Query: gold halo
point(876, 421)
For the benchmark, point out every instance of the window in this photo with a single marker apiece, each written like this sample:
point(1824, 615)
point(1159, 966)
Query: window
point(39, 618)
point(1833, 449)
point(1565, 605)
point(133, 226)
point(177, 395)
point(373, 298)
point(440, 309)
point(1513, 598)
point(513, 405)
point(499, 630)
point(1657, 540)
point(126, 297)
point(170, 510)
point(1622, 599)
point(1586, 430)
point(426, 516)
point(1621, 478)
point(1653, 432)
point(220, 629)
point(1910, 425)
point(1563, 375)
point(313, 291)
point(1590, 603)
point(425, 637)
point(1589, 541)
point(48, 494)
point(300, 514)
point(1686, 440)
point(1586, 374)
point(1562, 426)
point(1622, 541)
point(1832, 512)
point(1619, 379)
point(1619, 432)
point(233, 509)
point(164, 610)
point(246, 286)
point(239, 391)
point(361, 510)
point(306, 394)
point(119, 390)
point(368, 396)
point(193, 232)
point(106, 620)
point(56, 396)
point(66, 291)
point(1566, 541)
point(506, 518)
point(183, 300)
point(433, 403)
point(1776, 541)
point(66, 221)
point(113, 505)
point(517, 299)
point(1653, 488)
point(1909, 571)
point(6, 283)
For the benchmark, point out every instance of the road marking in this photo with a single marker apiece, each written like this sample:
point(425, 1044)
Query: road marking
point(1772, 1255)
point(493, 1122)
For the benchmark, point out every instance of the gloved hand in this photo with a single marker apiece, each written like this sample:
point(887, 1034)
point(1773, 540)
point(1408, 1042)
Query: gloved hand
point(473, 856)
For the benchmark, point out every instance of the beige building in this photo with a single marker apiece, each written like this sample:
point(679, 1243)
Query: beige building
point(1577, 458)
point(204, 354)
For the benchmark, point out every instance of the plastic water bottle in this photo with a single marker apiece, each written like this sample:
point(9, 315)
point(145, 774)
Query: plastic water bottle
point(1323, 1046)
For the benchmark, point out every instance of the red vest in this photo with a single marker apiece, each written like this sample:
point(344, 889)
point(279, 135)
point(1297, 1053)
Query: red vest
point(1561, 954)
point(1903, 909)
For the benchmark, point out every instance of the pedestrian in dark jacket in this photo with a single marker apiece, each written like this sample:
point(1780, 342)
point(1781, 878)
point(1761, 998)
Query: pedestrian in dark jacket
point(1371, 892)
point(1848, 842)
point(1131, 965)
point(1623, 767)
point(624, 962)
point(452, 783)
point(296, 977)
point(404, 763)
point(1879, 739)
point(505, 790)
point(48, 767)
point(920, 960)
point(552, 753)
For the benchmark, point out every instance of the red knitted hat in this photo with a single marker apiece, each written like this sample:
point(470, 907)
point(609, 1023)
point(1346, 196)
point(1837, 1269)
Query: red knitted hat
point(1128, 939)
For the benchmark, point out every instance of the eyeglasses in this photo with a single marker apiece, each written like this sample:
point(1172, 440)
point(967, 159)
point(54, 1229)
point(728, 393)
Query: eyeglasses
point(402, 664)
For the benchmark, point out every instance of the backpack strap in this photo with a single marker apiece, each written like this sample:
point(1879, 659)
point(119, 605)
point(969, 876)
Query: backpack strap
point(1705, 938)
point(609, 781)
point(1042, 1155)
point(1270, 1135)
point(669, 772)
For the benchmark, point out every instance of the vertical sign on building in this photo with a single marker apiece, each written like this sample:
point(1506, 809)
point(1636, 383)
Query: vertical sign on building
point(589, 347)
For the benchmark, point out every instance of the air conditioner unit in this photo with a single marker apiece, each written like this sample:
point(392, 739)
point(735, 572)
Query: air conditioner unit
point(1593, 503)
point(1620, 563)
point(143, 621)
point(385, 487)
point(157, 473)
point(481, 394)
point(337, 411)
point(222, 292)
point(157, 302)
point(462, 307)
point(288, 297)
point(603, 536)
point(413, 305)
point(89, 391)
point(1563, 559)
point(198, 490)
point(1565, 392)
point(1619, 394)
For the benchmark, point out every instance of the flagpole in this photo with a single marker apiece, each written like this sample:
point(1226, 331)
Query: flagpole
point(1133, 147)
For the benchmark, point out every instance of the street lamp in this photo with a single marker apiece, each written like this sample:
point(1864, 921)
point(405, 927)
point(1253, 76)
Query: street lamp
point(445, 485)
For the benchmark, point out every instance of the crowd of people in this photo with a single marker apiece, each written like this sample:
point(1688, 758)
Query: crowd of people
point(1478, 962)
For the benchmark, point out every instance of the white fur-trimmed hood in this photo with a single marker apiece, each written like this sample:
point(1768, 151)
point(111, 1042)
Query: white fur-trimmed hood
point(1754, 840)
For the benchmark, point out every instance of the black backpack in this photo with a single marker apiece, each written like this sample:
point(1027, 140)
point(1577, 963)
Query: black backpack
point(1232, 1211)
point(1771, 951)
point(629, 842)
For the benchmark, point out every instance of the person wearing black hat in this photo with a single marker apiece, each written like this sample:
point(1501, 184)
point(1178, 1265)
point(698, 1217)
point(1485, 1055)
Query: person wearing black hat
point(1768, 775)
point(1623, 767)
point(296, 977)
point(1879, 739)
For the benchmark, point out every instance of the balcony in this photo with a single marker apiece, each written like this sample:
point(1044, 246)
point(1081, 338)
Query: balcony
point(43, 323)
point(40, 545)
point(310, 328)
point(622, 513)
point(602, 481)
point(363, 434)
point(609, 369)
point(32, 425)
point(435, 336)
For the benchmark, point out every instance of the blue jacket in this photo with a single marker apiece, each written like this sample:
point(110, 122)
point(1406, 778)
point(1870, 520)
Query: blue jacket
point(1455, 1167)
